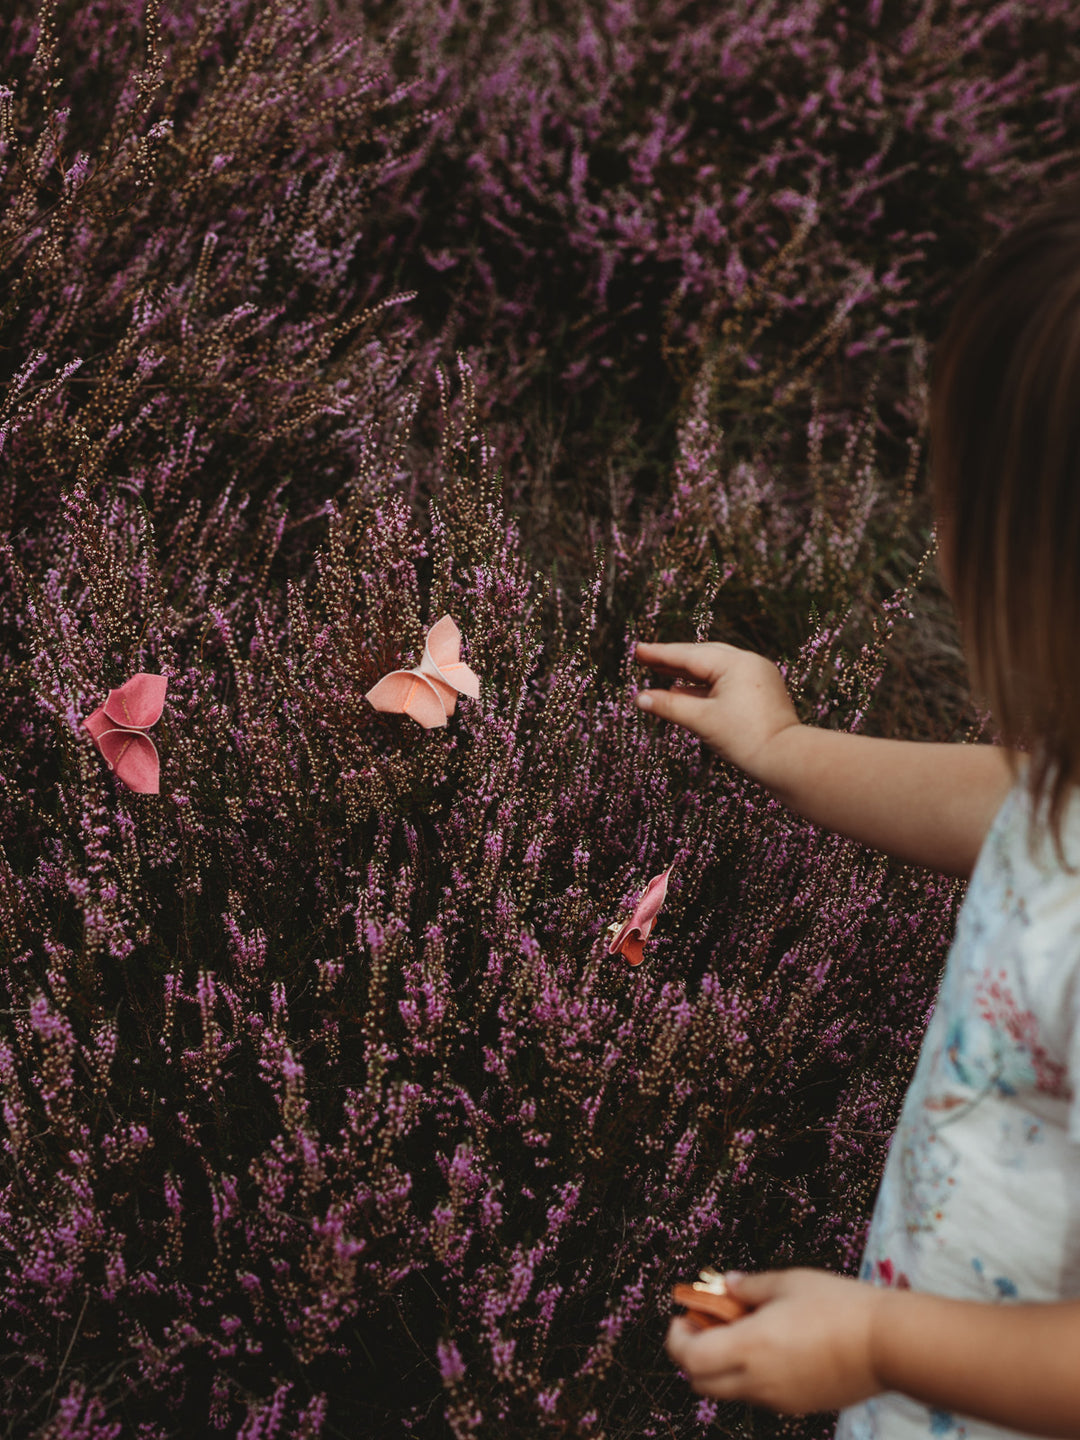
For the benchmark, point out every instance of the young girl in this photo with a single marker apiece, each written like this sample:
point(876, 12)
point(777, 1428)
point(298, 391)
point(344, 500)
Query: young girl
point(965, 1321)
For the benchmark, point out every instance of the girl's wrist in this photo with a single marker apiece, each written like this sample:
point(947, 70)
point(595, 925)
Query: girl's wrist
point(900, 1321)
point(882, 1317)
point(775, 763)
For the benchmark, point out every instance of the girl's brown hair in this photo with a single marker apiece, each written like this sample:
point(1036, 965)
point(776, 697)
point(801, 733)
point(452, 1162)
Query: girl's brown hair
point(1005, 466)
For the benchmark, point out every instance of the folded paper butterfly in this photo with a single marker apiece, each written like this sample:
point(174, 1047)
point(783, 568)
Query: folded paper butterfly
point(118, 730)
point(629, 939)
point(429, 692)
point(707, 1300)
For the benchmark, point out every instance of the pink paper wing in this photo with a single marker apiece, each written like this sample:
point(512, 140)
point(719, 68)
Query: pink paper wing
point(407, 692)
point(442, 659)
point(647, 907)
point(629, 942)
point(616, 945)
point(633, 949)
point(134, 757)
point(464, 680)
point(97, 724)
point(443, 642)
point(446, 693)
point(138, 702)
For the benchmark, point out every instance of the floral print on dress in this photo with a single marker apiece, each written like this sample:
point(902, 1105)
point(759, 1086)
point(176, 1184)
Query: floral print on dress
point(943, 1422)
point(1022, 1058)
point(883, 1272)
point(980, 1198)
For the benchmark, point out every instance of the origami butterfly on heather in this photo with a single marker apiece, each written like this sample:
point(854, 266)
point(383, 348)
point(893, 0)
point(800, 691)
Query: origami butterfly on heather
point(429, 692)
point(629, 939)
point(118, 729)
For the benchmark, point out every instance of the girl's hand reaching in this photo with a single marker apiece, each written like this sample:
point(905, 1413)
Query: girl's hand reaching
point(734, 699)
point(927, 804)
point(806, 1345)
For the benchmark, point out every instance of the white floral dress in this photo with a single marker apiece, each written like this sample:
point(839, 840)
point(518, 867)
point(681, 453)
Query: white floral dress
point(980, 1198)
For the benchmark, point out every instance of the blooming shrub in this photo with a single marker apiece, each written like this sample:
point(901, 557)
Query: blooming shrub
point(325, 1109)
point(605, 181)
point(321, 1091)
point(182, 200)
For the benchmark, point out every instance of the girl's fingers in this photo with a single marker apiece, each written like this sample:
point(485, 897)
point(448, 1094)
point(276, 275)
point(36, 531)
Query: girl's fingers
point(675, 671)
point(755, 1290)
point(692, 661)
point(706, 1357)
point(691, 711)
point(681, 1345)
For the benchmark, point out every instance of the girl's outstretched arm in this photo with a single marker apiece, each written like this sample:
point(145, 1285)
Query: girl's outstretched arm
point(925, 803)
point(816, 1341)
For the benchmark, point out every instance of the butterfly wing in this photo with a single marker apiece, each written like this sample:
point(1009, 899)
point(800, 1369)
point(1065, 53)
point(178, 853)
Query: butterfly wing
point(97, 724)
point(134, 758)
point(138, 702)
point(627, 940)
point(443, 643)
point(407, 692)
point(631, 937)
point(633, 948)
point(464, 680)
point(647, 907)
point(442, 660)
point(446, 693)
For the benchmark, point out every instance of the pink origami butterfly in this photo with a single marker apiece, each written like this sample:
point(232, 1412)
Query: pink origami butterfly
point(429, 692)
point(119, 730)
point(629, 939)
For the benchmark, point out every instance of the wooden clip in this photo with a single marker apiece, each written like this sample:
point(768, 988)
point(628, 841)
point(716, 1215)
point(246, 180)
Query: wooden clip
point(708, 1301)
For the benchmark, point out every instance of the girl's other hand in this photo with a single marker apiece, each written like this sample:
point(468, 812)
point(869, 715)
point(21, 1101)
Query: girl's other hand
point(734, 699)
point(805, 1346)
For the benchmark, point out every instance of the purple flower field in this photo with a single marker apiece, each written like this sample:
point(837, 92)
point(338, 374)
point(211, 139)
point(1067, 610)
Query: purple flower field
point(326, 1111)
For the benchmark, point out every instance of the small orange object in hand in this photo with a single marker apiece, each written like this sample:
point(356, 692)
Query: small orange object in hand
point(708, 1300)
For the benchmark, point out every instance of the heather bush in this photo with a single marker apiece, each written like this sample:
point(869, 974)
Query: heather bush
point(325, 1110)
point(181, 199)
point(322, 1095)
point(605, 181)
